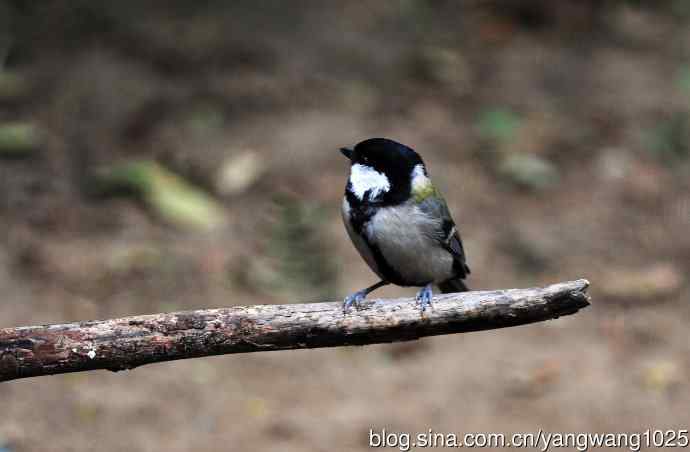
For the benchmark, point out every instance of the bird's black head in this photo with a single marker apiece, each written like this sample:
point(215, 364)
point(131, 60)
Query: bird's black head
point(390, 159)
point(384, 155)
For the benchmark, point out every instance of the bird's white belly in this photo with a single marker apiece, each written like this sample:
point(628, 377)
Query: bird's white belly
point(403, 233)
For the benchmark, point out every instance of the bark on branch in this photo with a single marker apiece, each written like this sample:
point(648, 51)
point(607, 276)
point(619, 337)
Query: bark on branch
point(129, 342)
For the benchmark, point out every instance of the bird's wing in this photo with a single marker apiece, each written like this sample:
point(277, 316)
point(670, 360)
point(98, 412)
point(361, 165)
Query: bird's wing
point(446, 232)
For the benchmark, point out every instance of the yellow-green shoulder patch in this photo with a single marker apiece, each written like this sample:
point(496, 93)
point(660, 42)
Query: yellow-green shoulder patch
point(422, 191)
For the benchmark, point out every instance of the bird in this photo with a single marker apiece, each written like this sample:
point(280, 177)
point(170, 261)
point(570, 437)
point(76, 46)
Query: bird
point(400, 223)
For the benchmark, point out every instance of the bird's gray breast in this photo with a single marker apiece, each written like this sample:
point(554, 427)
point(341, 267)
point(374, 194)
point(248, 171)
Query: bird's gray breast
point(358, 239)
point(407, 238)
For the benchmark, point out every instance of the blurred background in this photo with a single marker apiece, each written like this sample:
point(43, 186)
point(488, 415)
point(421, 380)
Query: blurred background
point(159, 156)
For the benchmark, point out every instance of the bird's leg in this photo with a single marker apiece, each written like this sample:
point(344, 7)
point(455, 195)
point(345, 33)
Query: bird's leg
point(424, 297)
point(360, 295)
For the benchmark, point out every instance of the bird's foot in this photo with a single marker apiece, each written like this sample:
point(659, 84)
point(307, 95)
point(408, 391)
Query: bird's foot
point(354, 299)
point(424, 297)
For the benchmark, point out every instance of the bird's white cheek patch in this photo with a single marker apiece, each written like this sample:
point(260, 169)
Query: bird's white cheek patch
point(365, 178)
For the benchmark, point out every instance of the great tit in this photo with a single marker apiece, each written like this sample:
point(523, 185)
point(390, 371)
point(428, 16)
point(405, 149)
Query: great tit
point(399, 222)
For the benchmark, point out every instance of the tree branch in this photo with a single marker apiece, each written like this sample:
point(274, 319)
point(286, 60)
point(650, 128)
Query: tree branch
point(129, 342)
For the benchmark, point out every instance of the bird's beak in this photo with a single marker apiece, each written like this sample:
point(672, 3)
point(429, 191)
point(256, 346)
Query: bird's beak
point(347, 152)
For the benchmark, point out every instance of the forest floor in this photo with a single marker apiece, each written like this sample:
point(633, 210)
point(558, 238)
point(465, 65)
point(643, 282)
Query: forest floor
point(560, 139)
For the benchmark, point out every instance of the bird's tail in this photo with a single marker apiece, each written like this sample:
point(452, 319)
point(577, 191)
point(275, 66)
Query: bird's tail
point(453, 285)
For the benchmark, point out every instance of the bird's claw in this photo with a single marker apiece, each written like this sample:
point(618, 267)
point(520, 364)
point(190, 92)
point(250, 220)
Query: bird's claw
point(354, 299)
point(424, 297)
